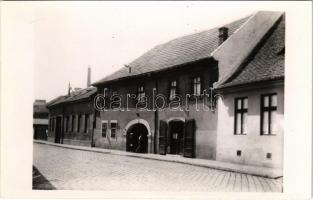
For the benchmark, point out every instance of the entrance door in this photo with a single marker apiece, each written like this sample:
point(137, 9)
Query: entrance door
point(176, 139)
point(58, 130)
point(137, 139)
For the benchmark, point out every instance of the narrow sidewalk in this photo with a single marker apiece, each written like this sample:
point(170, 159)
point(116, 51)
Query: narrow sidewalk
point(246, 169)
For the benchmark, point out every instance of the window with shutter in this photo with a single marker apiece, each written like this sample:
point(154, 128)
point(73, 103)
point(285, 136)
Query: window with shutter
point(189, 138)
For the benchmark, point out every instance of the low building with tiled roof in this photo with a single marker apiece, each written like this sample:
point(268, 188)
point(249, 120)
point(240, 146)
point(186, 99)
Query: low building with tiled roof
point(72, 117)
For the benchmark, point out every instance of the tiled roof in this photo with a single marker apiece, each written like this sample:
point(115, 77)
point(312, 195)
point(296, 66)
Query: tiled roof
point(268, 61)
point(176, 52)
point(74, 96)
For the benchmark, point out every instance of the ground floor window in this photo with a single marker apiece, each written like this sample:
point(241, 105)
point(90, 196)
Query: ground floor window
point(104, 128)
point(268, 114)
point(113, 126)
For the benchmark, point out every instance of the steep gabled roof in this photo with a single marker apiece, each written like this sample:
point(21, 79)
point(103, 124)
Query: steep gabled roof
point(73, 97)
point(176, 52)
point(266, 63)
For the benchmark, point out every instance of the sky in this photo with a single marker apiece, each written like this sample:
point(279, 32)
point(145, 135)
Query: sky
point(71, 36)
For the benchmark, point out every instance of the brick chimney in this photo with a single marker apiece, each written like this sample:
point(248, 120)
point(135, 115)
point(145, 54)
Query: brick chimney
point(222, 35)
point(69, 89)
point(88, 77)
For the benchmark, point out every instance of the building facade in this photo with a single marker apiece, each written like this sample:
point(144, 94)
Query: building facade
point(217, 94)
point(191, 71)
point(72, 118)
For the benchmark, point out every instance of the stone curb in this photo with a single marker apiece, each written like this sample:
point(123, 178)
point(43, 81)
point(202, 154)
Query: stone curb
point(245, 169)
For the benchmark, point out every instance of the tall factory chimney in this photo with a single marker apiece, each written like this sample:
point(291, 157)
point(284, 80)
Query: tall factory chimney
point(88, 77)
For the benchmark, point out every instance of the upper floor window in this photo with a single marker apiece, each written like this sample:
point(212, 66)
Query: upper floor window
point(268, 114)
point(173, 90)
point(140, 93)
point(113, 126)
point(241, 112)
point(196, 86)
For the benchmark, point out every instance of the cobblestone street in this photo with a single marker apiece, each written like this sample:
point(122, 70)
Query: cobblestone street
point(83, 170)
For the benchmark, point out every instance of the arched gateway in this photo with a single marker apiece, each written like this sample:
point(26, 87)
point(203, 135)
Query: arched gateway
point(137, 132)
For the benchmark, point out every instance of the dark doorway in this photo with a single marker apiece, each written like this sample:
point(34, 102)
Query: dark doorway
point(176, 137)
point(137, 139)
point(58, 130)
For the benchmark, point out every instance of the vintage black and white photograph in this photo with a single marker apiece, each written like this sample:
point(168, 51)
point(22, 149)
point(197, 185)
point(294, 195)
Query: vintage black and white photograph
point(155, 99)
point(198, 110)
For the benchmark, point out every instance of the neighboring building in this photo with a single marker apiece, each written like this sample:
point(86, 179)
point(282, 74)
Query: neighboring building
point(218, 58)
point(40, 120)
point(72, 116)
point(251, 111)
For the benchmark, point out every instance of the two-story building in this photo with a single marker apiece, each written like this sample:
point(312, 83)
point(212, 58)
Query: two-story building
point(162, 101)
point(178, 120)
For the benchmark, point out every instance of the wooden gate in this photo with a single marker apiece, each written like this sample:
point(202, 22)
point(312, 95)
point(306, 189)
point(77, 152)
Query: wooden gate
point(189, 150)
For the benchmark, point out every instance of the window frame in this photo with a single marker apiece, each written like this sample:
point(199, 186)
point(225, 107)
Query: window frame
point(268, 109)
point(242, 110)
point(197, 83)
point(141, 93)
point(171, 87)
point(106, 130)
point(113, 122)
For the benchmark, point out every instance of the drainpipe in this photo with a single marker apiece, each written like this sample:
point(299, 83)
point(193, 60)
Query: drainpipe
point(94, 124)
point(62, 126)
point(156, 121)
